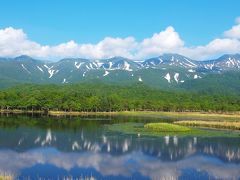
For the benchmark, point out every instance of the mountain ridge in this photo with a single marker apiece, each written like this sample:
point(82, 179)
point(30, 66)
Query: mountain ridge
point(165, 71)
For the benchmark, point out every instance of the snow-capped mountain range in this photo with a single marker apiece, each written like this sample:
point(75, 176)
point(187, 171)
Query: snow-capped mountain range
point(161, 71)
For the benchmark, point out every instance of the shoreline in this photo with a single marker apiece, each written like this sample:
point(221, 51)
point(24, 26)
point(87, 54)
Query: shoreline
point(129, 113)
point(209, 120)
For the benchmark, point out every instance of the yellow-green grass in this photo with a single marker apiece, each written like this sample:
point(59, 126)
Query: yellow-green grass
point(19, 111)
point(166, 127)
point(152, 114)
point(222, 114)
point(80, 113)
point(138, 129)
point(180, 115)
point(211, 124)
point(211, 116)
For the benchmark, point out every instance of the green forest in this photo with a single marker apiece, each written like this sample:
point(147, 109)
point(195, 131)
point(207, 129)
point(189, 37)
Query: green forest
point(107, 98)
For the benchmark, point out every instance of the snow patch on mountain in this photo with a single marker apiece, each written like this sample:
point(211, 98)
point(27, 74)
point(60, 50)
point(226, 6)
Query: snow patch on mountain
point(47, 66)
point(78, 65)
point(64, 81)
point(190, 63)
point(99, 64)
point(51, 71)
point(230, 61)
point(168, 77)
point(127, 66)
point(110, 65)
point(25, 69)
point(106, 73)
point(191, 70)
point(95, 64)
point(91, 66)
point(209, 66)
point(196, 76)
point(40, 69)
point(176, 77)
point(160, 60)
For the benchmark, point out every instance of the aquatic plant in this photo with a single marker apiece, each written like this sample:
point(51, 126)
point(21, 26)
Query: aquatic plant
point(166, 127)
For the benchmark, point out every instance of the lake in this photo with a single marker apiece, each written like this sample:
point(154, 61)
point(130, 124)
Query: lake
point(36, 146)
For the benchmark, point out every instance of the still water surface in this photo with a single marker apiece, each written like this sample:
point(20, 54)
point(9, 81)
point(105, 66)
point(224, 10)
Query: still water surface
point(56, 148)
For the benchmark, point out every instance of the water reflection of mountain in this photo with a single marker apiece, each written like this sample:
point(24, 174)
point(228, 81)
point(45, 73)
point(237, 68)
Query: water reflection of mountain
point(166, 148)
point(81, 146)
point(134, 165)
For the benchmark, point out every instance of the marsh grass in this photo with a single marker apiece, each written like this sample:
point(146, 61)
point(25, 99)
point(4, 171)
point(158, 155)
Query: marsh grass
point(138, 129)
point(76, 113)
point(211, 124)
point(166, 127)
point(184, 115)
point(212, 116)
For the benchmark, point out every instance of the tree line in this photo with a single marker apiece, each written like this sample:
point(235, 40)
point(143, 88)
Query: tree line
point(105, 98)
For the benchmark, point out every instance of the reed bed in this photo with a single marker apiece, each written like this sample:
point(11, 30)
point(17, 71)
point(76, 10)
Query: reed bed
point(211, 124)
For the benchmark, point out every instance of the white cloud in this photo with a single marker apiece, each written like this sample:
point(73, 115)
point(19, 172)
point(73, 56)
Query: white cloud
point(118, 165)
point(14, 42)
point(214, 48)
point(163, 42)
point(234, 32)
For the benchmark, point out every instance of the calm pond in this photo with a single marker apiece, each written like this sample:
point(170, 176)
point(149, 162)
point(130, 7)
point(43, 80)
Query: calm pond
point(34, 147)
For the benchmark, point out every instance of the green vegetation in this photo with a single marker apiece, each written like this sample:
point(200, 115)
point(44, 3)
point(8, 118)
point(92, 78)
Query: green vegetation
point(224, 83)
point(211, 124)
point(108, 98)
point(138, 129)
point(166, 127)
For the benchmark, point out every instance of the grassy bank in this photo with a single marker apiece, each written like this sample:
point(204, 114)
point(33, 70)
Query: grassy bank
point(211, 124)
point(186, 115)
point(76, 113)
point(210, 116)
point(166, 127)
point(18, 111)
point(158, 115)
point(139, 129)
point(151, 113)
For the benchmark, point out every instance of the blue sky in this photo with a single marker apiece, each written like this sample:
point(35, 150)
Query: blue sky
point(52, 22)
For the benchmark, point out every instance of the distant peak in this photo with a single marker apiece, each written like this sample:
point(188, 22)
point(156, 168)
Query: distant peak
point(229, 56)
point(118, 57)
point(173, 54)
point(23, 57)
point(74, 59)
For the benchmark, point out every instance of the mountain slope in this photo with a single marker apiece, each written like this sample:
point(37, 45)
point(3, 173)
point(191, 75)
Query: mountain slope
point(225, 83)
point(168, 71)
